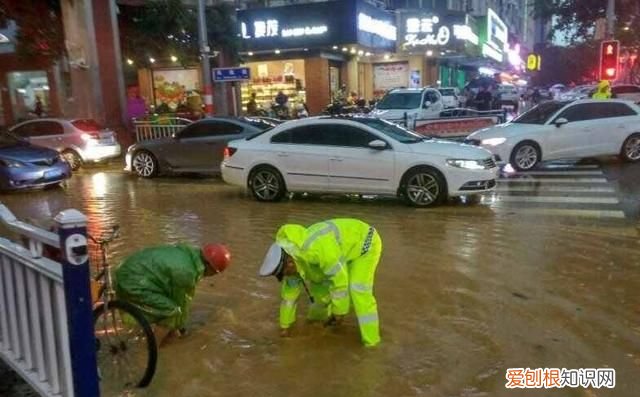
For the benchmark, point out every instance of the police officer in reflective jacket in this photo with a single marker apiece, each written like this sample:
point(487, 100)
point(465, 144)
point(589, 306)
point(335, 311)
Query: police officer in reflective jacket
point(335, 262)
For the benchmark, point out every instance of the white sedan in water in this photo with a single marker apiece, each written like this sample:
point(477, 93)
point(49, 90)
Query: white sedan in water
point(565, 130)
point(360, 155)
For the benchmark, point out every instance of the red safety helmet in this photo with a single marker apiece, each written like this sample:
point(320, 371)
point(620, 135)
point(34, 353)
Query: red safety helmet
point(217, 255)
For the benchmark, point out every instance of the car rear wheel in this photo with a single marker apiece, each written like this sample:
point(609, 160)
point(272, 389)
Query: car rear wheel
point(266, 184)
point(423, 187)
point(631, 148)
point(73, 159)
point(525, 156)
point(144, 164)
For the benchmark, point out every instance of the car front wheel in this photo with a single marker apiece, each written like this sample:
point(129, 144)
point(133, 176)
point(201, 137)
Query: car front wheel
point(423, 187)
point(73, 159)
point(525, 156)
point(631, 148)
point(266, 184)
point(144, 164)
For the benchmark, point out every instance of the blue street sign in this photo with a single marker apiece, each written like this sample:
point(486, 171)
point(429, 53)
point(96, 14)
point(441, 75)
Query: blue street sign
point(231, 74)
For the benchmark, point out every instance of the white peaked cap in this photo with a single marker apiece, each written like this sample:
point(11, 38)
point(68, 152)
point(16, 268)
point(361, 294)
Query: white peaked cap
point(272, 261)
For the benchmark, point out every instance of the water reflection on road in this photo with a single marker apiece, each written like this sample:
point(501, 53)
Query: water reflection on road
point(464, 292)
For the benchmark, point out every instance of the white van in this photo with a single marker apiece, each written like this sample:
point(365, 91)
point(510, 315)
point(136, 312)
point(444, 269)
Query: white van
point(416, 103)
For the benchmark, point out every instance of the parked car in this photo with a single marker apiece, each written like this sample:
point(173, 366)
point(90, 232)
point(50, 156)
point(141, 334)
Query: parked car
point(358, 154)
point(79, 140)
point(450, 97)
point(626, 91)
point(509, 95)
point(23, 165)
point(415, 103)
point(197, 148)
point(562, 130)
point(579, 92)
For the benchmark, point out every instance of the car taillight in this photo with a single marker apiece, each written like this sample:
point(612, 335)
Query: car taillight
point(90, 135)
point(229, 151)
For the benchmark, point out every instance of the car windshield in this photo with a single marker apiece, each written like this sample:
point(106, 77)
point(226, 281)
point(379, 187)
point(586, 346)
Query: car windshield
point(391, 130)
point(404, 100)
point(8, 140)
point(86, 125)
point(540, 114)
point(447, 91)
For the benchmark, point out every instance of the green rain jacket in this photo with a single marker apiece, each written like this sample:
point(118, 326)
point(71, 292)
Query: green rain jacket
point(321, 253)
point(161, 281)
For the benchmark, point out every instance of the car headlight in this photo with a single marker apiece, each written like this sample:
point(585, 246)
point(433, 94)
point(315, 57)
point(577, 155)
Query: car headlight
point(467, 164)
point(493, 141)
point(11, 163)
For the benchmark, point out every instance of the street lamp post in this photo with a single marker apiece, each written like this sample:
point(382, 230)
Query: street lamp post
point(204, 59)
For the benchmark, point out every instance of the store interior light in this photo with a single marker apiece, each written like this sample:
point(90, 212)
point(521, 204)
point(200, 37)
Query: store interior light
point(152, 60)
point(361, 53)
point(129, 61)
point(306, 49)
point(174, 58)
point(626, 28)
point(442, 53)
point(335, 47)
point(367, 54)
point(486, 71)
point(345, 49)
point(353, 50)
point(277, 51)
point(387, 56)
point(429, 53)
point(250, 53)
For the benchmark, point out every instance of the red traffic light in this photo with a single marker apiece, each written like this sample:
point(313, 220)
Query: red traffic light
point(609, 58)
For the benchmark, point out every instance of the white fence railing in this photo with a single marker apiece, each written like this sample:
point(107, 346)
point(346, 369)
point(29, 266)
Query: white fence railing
point(43, 325)
point(158, 129)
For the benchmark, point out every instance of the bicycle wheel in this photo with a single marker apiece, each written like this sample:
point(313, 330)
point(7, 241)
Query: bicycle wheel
point(126, 346)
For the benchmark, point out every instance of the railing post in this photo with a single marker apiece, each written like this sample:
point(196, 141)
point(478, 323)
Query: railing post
point(72, 229)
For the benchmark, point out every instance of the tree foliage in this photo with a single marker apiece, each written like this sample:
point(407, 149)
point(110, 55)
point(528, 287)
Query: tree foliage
point(572, 64)
point(160, 29)
point(40, 34)
point(577, 19)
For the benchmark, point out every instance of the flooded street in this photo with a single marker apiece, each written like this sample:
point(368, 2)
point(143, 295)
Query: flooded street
point(465, 290)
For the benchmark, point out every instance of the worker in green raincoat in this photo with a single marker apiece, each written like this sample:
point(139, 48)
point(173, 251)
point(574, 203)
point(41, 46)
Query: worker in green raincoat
point(335, 261)
point(161, 281)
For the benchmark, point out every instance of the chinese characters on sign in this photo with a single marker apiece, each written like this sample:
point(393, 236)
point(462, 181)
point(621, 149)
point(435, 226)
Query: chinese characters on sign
point(424, 32)
point(378, 27)
point(537, 378)
point(272, 28)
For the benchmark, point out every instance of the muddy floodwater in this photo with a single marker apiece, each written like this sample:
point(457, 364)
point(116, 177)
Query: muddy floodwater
point(464, 291)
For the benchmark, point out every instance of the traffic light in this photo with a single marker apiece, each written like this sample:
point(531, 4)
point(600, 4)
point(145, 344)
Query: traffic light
point(609, 54)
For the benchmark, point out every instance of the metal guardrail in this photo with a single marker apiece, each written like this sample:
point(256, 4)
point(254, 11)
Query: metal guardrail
point(158, 128)
point(46, 323)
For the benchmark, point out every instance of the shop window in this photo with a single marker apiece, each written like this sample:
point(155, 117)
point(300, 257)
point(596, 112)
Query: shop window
point(25, 89)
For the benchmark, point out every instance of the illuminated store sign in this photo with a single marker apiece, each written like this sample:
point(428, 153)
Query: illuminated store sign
point(426, 32)
point(497, 37)
point(378, 27)
point(271, 28)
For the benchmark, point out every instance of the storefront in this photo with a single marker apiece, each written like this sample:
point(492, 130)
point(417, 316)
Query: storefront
point(26, 88)
point(308, 51)
point(437, 46)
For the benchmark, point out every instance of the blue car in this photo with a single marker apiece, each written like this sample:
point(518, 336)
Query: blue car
point(23, 165)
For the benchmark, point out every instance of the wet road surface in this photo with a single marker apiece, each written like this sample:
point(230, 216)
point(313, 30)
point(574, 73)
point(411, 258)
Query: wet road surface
point(545, 272)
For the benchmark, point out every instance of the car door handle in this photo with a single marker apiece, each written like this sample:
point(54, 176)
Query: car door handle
point(336, 159)
point(281, 154)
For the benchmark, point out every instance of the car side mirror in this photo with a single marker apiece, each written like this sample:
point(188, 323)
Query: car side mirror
point(427, 104)
point(560, 122)
point(378, 144)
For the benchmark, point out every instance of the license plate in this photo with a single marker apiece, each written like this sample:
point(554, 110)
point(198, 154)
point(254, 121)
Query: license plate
point(52, 174)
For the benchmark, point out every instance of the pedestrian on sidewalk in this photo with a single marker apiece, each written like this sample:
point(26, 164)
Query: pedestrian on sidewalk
point(334, 262)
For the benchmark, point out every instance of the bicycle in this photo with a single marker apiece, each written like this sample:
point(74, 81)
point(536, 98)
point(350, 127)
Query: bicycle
point(126, 347)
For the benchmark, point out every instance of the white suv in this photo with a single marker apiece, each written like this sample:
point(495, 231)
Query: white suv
point(565, 130)
point(414, 103)
point(361, 155)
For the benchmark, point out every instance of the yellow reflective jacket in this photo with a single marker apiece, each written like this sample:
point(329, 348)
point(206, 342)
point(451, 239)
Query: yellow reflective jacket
point(321, 253)
point(603, 90)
